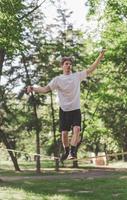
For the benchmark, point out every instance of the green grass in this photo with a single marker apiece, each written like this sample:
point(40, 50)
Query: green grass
point(113, 188)
point(110, 188)
point(27, 168)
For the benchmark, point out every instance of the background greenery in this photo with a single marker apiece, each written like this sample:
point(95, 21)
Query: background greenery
point(30, 52)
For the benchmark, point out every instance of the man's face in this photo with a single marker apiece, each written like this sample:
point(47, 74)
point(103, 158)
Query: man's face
point(67, 67)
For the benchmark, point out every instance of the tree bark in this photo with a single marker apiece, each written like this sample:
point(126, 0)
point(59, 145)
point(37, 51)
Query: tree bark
point(56, 146)
point(2, 56)
point(125, 148)
point(36, 124)
point(6, 143)
point(38, 163)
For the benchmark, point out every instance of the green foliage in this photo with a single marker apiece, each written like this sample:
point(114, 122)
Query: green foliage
point(103, 96)
point(92, 4)
point(112, 109)
point(11, 27)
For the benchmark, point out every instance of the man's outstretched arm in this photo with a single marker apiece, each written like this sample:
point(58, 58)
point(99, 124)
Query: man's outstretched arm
point(44, 89)
point(95, 64)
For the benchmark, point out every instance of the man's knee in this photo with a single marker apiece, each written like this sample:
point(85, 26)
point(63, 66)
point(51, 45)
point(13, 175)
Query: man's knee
point(76, 129)
point(65, 139)
point(65, 133)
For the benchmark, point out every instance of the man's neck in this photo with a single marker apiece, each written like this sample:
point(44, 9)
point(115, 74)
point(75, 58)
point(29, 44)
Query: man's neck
point(67, 73)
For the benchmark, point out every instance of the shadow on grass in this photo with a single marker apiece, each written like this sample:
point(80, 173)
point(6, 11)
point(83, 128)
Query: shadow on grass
point(53, 189)
point(67, 189)
point(62, 170)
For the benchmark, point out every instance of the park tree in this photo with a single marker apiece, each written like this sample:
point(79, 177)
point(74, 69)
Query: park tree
point(10, 40)
point(15, 19)
point(112, 35)
point(69, 42)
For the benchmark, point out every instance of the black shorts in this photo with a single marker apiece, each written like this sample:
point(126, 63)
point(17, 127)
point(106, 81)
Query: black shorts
point(68, 119)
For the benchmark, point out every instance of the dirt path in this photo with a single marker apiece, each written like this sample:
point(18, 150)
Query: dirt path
point(83, 174)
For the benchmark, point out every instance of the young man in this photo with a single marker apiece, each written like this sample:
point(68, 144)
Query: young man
point(68, 89)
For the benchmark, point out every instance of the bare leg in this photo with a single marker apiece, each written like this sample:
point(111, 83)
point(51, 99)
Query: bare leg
point(65, 143)
point(65, 140)
point(74, 141)
point(76, 136)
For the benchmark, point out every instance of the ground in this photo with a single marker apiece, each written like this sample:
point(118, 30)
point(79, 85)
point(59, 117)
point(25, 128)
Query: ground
point(71, 174)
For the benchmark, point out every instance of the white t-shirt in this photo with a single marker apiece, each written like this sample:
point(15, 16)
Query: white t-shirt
point(68, 89)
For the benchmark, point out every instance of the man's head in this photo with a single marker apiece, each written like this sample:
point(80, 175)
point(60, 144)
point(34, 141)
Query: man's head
point(66, 64)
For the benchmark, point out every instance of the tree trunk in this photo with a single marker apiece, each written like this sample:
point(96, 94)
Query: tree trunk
point(125, 150)
point(37, 129)
point(56, 146)
point(36, 124)
point(96, 151)
point(75, 162)
point(38, 164)
point(6, 143)
point(2, 56)
point(2, 134)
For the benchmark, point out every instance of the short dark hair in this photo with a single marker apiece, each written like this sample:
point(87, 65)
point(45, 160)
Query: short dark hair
point(66, 59)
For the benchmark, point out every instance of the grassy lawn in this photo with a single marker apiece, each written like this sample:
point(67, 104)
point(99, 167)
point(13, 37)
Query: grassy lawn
point(7, 168)
point(29, 168)
point(113, 188)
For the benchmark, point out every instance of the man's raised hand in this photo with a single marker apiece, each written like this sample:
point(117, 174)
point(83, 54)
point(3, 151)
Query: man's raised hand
point(29, 89)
